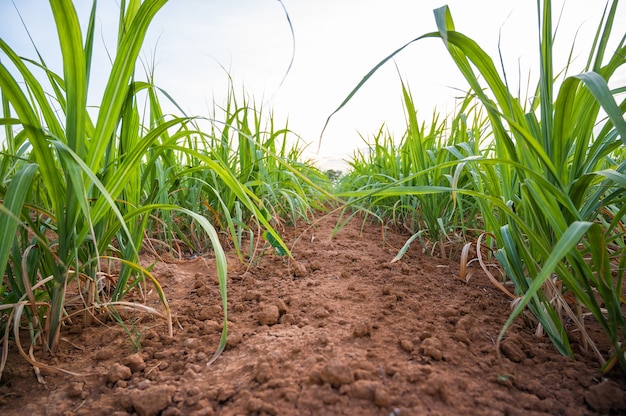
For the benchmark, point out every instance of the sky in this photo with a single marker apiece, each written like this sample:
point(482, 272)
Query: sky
point(192, 43)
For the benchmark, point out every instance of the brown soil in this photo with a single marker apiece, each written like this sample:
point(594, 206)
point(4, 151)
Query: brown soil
point(341, 332)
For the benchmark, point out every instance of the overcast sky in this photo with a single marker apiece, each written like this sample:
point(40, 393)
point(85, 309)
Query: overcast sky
point(336, 43)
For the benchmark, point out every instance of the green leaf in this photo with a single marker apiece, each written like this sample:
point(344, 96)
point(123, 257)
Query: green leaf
point(566, 243)
point(600, 90)
point(10, 210)
point(274, 242)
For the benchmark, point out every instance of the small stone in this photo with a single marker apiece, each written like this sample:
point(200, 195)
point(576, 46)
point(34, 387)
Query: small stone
point(211, 326)
point(193, 391)
point(205, 409)
point(225, 393)
point(75, 389)
point(251, 295)
point(234, 339)
point(512, 350)
point(406, 345)
point(203, 314)
point(321, 313)
point(118, 372)
point(461, 336)
point(282, 306)
point(152, 401)
point(381, 396)
point(287, 319)
point(466, 322)
point(143, 384)
point(432, 348)
point(361, 329)
point(315, 265)
point(328, 395)
point(337, 373)
point(606, 397)
point(254, 405)
point(299, 270)
point(104, 354)
point(203, 291)
point(171, 411)
point(268, 315)
point(190, 342)
point(363, 389)
point(263, 372)
point(202, 357)
point(258, 406)
point(135, 362)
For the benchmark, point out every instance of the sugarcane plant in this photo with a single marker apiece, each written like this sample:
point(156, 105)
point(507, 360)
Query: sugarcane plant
point(550, 187)
point(71, 186)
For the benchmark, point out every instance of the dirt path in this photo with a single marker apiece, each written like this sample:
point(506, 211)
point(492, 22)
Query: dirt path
point(349, 334)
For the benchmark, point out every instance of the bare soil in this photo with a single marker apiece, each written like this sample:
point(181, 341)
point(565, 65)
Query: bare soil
point(342, 331)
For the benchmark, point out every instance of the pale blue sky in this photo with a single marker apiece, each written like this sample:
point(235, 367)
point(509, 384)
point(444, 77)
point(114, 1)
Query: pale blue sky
point(337, 42)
